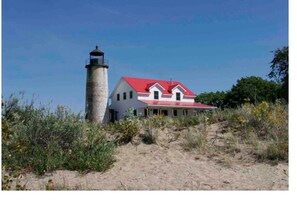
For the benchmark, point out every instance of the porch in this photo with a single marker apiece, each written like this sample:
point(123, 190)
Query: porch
point(171, 109)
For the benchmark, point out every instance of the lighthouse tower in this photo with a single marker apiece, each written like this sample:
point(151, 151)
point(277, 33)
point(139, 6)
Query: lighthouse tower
point(97, 88)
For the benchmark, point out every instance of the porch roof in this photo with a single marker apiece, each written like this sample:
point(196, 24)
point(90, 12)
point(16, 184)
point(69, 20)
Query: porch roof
point(154, 103)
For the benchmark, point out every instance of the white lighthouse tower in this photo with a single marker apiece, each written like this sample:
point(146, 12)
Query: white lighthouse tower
point(97, 88)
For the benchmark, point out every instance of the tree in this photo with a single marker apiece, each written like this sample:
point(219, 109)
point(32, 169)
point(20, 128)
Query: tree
point(252, 89)
point(280, 70)
point(212, 98)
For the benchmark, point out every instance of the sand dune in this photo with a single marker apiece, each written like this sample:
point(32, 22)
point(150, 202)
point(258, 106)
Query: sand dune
point(166, 166)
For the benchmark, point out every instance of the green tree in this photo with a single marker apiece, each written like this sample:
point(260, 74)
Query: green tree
point(252, 89)
point(280, 70)
point(212, 98)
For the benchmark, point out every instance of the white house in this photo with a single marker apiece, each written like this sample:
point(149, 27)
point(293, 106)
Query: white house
point(149, 97)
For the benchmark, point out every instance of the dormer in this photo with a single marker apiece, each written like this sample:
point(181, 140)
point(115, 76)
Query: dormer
point(155, 84)
point(176, 86)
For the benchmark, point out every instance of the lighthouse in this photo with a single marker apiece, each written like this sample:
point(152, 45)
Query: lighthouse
point(97, 88)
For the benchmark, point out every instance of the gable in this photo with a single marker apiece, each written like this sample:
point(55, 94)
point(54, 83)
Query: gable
point(177, 86)
point(121, 86)
point(156, 84)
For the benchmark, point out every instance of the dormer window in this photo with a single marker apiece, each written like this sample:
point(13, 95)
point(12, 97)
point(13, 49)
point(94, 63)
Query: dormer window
point(156, 95)
point(177, 96)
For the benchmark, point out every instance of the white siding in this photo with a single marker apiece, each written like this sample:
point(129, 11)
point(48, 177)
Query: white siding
point(123, 105)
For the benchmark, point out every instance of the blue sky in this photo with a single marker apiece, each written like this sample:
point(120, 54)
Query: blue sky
point(206, 44)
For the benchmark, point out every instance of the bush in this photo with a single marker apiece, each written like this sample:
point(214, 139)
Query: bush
point(36, 139)
point(277, 151)
point(90, 157)
point(129, 128)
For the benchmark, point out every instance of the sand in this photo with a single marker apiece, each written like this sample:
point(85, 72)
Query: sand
point(167, 166)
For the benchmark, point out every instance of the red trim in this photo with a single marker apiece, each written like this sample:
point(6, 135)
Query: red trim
point(141, 85)
point(177, 104)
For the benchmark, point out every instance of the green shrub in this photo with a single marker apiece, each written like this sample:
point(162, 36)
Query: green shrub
point(90, 157)
point(275, 151)
point(129, 129)
point(38, 140)
point(94, 133)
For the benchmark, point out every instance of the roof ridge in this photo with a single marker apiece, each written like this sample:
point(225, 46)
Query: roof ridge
point(152, 79)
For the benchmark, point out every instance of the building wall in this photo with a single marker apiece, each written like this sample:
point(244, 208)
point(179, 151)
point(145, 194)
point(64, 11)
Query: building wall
point(123, 105)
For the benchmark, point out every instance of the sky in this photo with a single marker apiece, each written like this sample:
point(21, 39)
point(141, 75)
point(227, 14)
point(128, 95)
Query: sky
point(206, 44)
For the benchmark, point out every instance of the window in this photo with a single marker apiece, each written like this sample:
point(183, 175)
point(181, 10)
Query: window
point(118, 97)
point(174, 112)
point(156, 95)
point(131, 94)
point(165, 112)
point(124, 95)
point(177, 96)
point(155, 111)
point(135, 112)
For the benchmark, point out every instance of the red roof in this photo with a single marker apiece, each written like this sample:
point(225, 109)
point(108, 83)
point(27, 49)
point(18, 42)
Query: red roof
point(142, 85)
point(177, 104)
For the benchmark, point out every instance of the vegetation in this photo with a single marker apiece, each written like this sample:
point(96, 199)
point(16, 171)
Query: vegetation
point(265, 126)
point(252, 89)
point(129, 128)
point(38, 140)
point(196, 139)
point(280, 70)
point(149, 136)
point(212, 98)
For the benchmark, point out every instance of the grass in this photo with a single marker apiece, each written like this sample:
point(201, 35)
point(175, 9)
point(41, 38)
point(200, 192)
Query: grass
point(195, 140)
point(265, 126)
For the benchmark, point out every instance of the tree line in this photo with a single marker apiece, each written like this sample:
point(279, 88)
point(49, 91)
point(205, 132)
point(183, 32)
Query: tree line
point(255, 89)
